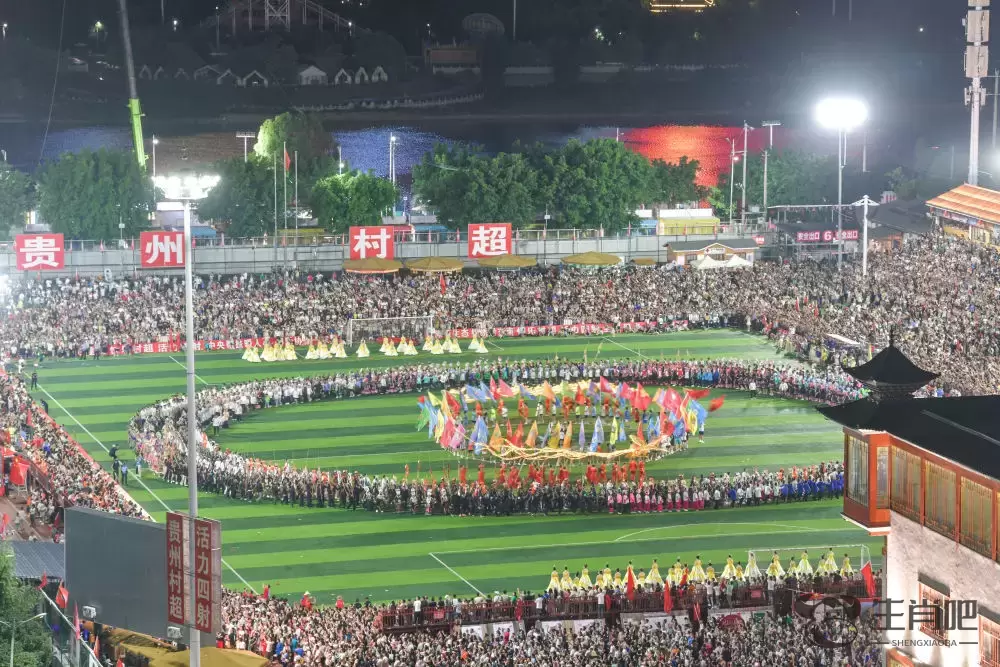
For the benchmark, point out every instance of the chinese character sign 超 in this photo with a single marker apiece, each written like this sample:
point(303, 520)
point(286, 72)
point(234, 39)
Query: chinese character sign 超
point(369, 242)
point(176, 584)
point(489, 239)
point(39, 252)
point(161, 249)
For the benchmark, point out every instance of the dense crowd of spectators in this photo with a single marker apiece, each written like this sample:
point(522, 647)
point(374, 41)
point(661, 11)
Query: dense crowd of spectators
point(938, 294)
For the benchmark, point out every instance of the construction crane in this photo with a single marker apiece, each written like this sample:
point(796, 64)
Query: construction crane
point(135, 110)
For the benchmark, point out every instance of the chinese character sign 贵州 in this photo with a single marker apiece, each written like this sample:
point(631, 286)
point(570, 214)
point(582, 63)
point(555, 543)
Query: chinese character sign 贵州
point(489, 239)
point(39, 252)
point(370, 242)
point(161, 249)
point(176, 606)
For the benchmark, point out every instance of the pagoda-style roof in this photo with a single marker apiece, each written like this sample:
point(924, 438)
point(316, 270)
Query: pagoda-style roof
point(891, 372)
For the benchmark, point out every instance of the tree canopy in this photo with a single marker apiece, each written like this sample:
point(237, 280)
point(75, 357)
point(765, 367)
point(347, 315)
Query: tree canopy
point(597, 183)
point(17, 196)
point(19, 602)
point(294, 131)
point(84, 195)
point(353, 198)
point(793, 178)
point(243, 200)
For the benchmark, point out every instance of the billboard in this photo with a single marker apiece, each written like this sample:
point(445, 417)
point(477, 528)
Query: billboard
point(118, 566)
point(489, 239)
point(375, 241)
point(825, 236)
point(160, 250)
point(39, 252)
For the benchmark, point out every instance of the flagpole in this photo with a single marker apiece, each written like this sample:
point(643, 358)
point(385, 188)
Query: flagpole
point(284, 197)
point(275, 240)
point(296, 198)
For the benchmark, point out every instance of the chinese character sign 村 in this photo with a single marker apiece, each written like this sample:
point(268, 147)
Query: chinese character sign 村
point(161, 249)
point(39, 252)
point(369, 242)
point(489, 239)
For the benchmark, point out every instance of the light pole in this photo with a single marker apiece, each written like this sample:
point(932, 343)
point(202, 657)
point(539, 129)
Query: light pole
point(245, 136)
point(5, 31)
point(743, 198)
point(155, 142)
point(865, 202)
point(770, 125)
point(392, 158)
point(187, 190)
point(842, 114)
point(732, 176)
point(13, 625)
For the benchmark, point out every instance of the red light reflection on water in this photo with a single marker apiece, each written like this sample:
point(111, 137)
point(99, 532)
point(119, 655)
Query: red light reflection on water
point(707, 144)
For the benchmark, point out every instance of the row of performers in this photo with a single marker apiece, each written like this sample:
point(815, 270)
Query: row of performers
point(336, 350)
point(681, 575)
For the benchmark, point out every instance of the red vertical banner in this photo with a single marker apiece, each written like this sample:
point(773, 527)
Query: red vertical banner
point(207, 575)
point(176, 583)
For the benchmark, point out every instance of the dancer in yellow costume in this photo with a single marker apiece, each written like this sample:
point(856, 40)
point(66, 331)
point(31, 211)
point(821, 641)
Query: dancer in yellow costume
point(250, 354)
point(753, 570)
point(268, 353)
point(607, 575)
point(774, 569)
point(729, 572)
point(390, 350)
point(311, 352)
point(805, 567)
point(677, 573)
point(385, 345)
point(553, 580)
point(339, 352)
point(697, 571)
point(585, 577)
point(428, 343)
point(436, 348)
point(322, 351)
point(740, 576)
point(599, 579)
point(654, 574)
point(709, 573)
point(793, 567)
point(362, 351)
point(829, 563)
point(846, 570)
point(289, 354)
point(617, 581)
point(566, 583)
point(641, 579)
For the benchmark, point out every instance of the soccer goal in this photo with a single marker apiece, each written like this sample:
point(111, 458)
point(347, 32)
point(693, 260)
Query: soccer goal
point(858, 554)
point(375, 328)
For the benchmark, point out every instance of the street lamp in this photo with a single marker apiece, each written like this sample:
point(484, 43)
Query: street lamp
point(155, 142)
point(13, 625)
point(392, 158)
point(187, 189)
point(842, 114)
point(4, 31)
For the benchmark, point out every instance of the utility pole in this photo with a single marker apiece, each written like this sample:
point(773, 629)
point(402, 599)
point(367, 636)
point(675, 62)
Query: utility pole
point(765, 185)
point(996, 93)
point(245, 136)
point(864, 151)
point(732, 176)
point(513, 28)
point(865, 202)
point(977, 24)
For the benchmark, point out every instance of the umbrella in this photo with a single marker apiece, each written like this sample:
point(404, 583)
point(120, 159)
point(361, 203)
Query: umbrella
point(592, 259)
point(372, 265)
point(435, 265)
point(507, 262)
point(644, 261)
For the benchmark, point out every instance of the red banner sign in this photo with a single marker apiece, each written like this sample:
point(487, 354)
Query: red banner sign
point(207, 575)
point(366, 242)
point(176, 581)
point(161, 249)
point(489, 239)
point(826, 236)
point(584, 329)
point(39, 252)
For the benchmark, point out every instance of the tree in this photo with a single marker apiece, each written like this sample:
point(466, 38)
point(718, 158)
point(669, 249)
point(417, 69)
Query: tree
point(793, 178)
point(354, 198)
point(296, 131)
point(19, 602)
point(17, 196)
point(675, 183)
point(85, 195)
point(243, 200)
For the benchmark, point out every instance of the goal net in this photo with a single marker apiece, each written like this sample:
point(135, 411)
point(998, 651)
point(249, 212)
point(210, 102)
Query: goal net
point(376, 328)
point(857, 554)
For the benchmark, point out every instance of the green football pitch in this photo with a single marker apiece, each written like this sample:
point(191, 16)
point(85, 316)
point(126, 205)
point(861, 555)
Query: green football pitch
point(332, 552)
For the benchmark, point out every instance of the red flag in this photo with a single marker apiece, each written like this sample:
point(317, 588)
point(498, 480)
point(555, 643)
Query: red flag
point(444, 285)
point(716, 403)
point(630, 583)
point(519, 435)
point(493, 389)
point(668, 603)
point(453, 403)
point(45, 581)
point(697, 393)
point(866, 573)
point(606, 387)
point(503, 390)
point(547, 391)
point(288, 160)
point(510, 432)
point(641, 399)
point(671, 400)
point(579, 399)
point(4, 521)
point(62, 597)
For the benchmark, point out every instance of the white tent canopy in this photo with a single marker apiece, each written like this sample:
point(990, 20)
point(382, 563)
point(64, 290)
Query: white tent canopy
point(707, 262)
point(737, 262)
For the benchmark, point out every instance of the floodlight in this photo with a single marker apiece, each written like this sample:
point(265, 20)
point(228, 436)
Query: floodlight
point(841, 113)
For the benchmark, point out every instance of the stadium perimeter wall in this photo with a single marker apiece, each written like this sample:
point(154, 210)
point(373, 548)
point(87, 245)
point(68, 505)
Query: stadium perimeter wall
point(236, 259)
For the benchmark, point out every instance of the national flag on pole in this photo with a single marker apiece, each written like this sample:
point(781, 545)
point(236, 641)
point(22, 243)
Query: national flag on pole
point(504, 390)
point(866, 573)
point(606, 387)
point(288, 158)
point(62, 597)
point(444, 285)
point(668, 603)
point(45, 581)
point(630, 583)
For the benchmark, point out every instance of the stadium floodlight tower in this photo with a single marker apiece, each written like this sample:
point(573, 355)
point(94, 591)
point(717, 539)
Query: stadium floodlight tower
point(842, 114)
point(188, 189)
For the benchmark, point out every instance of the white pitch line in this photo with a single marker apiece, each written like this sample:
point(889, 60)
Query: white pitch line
point(614, 342)
point(722, 523)
point(489, 342)
point(197, 377)
point(141, 482)
point(448, 567)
